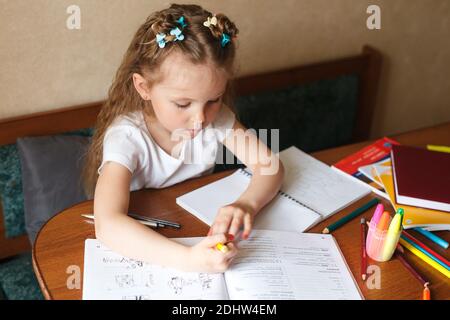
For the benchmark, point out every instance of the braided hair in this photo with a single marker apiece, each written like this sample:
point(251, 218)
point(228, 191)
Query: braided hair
point(201, 44)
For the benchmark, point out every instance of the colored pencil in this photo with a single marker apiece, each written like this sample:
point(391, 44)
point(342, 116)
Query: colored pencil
point(426, 290)
point(426, 293)
point(350, 216)
point(432, 257)
point(408, 266)
point(438, 148)
point(439, 241)
point(363, 250)
point(426, 248)
point(424, 257)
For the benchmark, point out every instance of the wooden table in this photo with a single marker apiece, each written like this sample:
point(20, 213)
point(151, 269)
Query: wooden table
point(60, 243)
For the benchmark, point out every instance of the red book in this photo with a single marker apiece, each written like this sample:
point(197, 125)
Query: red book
point(421, 177)
point(375, 152)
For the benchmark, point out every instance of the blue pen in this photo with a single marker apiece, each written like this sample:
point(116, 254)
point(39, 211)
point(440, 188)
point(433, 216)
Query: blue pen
point(425, 252)
point(439, 241)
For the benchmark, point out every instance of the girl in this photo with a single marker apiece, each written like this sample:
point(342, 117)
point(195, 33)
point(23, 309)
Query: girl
point(166, 114)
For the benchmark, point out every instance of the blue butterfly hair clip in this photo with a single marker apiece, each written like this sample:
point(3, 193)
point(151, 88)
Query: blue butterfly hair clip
point(161, 37)
point(177, 33)
point(181, 22)
point(225, 39)
point(160, 40)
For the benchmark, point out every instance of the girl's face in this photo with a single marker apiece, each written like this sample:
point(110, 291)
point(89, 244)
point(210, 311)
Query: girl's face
point(189, 96)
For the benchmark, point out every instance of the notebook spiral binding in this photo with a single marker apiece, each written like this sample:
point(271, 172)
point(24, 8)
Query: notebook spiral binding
point(281, 193)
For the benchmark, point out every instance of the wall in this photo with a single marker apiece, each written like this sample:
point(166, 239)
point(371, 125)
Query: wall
point(45, 66)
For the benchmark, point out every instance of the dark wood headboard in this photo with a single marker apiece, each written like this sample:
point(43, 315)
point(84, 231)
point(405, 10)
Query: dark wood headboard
point(366, 65)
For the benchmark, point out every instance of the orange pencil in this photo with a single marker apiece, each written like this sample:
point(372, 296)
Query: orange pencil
point(426, 293)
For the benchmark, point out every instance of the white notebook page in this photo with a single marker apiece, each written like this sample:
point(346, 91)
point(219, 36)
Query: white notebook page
point(280, 214)
point(316, 185)
point(286, 265)
point(110, 276)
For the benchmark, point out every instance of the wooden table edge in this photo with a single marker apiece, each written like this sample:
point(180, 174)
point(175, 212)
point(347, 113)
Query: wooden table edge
point(35, 264)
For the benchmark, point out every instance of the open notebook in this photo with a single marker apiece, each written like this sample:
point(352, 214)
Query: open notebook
point(311, 192)
point(269, 265)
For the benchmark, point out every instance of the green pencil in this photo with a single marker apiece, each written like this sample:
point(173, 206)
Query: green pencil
point(350, 216)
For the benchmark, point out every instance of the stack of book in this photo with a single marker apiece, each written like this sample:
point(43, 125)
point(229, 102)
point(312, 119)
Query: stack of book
point(360, 165)
point(415, 179)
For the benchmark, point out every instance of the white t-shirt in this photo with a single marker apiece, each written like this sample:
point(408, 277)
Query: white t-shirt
point(128, 142)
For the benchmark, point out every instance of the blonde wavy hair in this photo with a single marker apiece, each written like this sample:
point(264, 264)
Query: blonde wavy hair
point(201, 44)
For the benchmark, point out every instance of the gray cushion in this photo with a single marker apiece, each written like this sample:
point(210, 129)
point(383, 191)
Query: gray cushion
point(51, 176)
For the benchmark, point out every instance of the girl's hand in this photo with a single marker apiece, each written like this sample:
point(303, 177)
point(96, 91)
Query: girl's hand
point(205, 257)
point(230, 218)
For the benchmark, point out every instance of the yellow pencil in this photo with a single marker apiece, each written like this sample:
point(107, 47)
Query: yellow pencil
point(425, 258)
point(438, 148)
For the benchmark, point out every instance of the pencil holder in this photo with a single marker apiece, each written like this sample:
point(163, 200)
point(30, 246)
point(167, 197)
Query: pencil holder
point(379, 247)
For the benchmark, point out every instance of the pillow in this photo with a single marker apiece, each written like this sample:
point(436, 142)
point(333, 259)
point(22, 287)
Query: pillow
point(51, 176)
point(11, 186)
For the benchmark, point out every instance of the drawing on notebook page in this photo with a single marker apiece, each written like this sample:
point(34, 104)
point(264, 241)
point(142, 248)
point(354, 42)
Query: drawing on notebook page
point(118, 277)
point(178, 283)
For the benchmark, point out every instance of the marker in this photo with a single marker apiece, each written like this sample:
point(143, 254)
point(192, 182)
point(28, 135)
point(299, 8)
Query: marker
point(222, 247)
point(374, 221)
point(384, 222)
point(392, 235)
point(377, 215)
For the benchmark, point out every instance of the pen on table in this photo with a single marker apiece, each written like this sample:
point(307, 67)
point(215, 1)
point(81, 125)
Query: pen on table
point(350, 216)
point(146, 223)
point(399, 253)
point(363, 250)
point(439, 241)
point(160, 221)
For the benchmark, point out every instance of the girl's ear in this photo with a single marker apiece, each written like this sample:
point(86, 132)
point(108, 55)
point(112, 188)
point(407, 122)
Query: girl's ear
point(141, 86)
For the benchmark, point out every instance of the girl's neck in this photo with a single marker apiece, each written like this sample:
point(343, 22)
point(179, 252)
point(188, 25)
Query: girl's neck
point(161, 135)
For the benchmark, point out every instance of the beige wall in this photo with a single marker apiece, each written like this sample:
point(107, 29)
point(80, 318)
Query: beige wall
point(45, 66)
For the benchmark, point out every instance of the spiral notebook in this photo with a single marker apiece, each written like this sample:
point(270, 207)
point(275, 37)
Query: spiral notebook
point(310, 193)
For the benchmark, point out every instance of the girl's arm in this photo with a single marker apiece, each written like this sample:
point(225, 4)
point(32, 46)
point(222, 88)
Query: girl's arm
point(128, 237)
point(268, 174)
